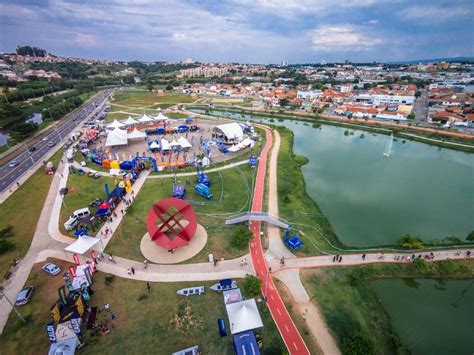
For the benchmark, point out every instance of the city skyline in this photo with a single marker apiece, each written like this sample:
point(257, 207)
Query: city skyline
point(242, 31)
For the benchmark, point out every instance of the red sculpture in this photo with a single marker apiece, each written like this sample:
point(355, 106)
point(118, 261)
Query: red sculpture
point(171, 223)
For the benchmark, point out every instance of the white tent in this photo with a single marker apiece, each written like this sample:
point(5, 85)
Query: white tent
point(145, 119)
point(154, 145)
point(174, 143)
point(82, 245)
point(184, 143)
point(243, 316)
point(165, 145)
point(230, 132)
point(161, 117)
point(116, 137)
point(130, 121)
point(136, 134)
point(115, 124)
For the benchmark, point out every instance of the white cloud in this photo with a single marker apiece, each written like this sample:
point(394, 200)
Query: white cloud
point(433, 13)
point(342, 38)
point(85, 40)
point(373, 22)
point(179, 36)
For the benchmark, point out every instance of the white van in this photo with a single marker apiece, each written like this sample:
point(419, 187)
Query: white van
point(81, 213)
point(71, 223)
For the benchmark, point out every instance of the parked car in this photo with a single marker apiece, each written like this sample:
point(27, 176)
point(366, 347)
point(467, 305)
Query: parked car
point(13, 163)
point(51, 269)
point(24, 296)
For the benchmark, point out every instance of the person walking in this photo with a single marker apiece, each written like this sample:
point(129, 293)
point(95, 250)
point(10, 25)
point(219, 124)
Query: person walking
point(132, 270)
point(148, 286)
point(145, 264)
point(340, 258)
point(111, 258)
point(129, 272)
point(363, 256)
point(334, 258)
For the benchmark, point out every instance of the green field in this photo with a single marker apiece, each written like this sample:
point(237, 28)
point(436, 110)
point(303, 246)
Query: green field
point(141, 327)
point(350, 307)
point(22, 210)
point(230, 196)
point(82, 190)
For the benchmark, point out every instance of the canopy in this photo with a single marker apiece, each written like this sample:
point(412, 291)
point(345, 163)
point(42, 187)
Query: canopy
point(231, 131)
point(116, 137)
point(82, 245)
point(165, 145)
point(115, 124)
point(184, 143)
point(174, 143)
point(129, 121)
point(135, 134)
point(243, 316)
point(161, 117)
point(65, 347)
point(145, 119)
point(154, 145)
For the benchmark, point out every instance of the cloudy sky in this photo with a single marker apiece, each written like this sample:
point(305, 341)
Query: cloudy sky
point(249, 31)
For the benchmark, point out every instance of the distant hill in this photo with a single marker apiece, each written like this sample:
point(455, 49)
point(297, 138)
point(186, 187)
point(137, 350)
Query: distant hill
point(435, 60)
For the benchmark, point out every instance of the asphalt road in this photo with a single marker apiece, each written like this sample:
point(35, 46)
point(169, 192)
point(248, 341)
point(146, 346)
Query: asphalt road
point(27, 159)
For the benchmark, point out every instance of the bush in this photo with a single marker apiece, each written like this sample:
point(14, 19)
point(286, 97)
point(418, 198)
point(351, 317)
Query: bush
point(410, 242)
point(242, 237)
point(6, 232)
point(6, 246)
point(253, 285)
point(358, 343)
point(470, 236)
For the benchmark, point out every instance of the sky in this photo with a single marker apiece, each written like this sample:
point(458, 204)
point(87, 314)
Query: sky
point(244, 31)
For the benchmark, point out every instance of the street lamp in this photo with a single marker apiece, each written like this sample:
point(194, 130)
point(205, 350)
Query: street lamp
point(2, 293)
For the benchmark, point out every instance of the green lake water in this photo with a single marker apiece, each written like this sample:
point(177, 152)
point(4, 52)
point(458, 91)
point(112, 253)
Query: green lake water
point(430, 316)
point(372, 200)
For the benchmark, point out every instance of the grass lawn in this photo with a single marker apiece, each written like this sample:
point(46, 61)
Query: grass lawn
point(82, 190)
point(126, 240)
point(22, 210)
point(350, 306)
point(294, 203)
point(140, 100)
point(141, 327)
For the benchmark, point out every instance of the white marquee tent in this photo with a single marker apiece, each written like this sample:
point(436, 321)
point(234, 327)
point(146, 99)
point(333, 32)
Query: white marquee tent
point(115, 124)
point(116, 137)
point(184, 143)
point(165, 145)
point(130, 121)
point(243, 316)
point(174, 143)
point(154, 145)
point(145, 119)
point(136, 134)
point(82, 245)
point(230, 132)
point(161, 117)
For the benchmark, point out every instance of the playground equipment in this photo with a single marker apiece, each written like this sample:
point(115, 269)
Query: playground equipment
point(179, 191)
point(202, 178)
point(294, 241)
point(203, 190)
point(253, 161)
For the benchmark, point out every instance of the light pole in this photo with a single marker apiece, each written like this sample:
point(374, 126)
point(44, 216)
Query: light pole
point(2, 293)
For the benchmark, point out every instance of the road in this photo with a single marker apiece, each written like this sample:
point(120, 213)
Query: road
point(27, 159)
point(289, 333)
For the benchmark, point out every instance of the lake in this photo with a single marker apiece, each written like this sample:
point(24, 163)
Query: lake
point(372, 200)
point(430, 316)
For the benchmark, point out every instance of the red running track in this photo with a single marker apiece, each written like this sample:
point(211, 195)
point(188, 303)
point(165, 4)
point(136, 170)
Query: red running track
point(290, 334)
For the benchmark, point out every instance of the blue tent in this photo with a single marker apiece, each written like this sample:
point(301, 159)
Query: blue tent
point(245, 343)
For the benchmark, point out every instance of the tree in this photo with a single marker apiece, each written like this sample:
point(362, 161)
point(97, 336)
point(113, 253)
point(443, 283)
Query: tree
point(358, 343)
point(409, 241)
point(149, 86)
point(169, 88)
point(253, 285)
point(284, 102)
point(411, 116)
point(6, 232)
point(242, 237)
point(6, 246)
point(470, 236)
point(418, 94)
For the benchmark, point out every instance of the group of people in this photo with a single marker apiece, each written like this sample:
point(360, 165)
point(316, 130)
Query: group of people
point(337, 258)
point(243, 262)
point(106, 323)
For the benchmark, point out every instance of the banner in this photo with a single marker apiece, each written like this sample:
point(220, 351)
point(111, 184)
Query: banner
point(84, 292)
point(72, 271)
point(68, 281)
point(55, 314)
point(62, 294)
point(76, 326)
point(80, 307)
point(76, 259)
point(88, 274)
point(51, 332)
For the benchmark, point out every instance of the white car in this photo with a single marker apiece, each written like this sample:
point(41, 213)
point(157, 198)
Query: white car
point(51, 269)
point(45, 139)
point(50, 144)
point(12, 164)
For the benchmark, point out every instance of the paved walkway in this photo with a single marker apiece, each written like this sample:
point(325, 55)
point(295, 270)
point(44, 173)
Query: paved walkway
point(290, 334)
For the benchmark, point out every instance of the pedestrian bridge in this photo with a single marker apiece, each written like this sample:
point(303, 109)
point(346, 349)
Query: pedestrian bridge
point(258, 216)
